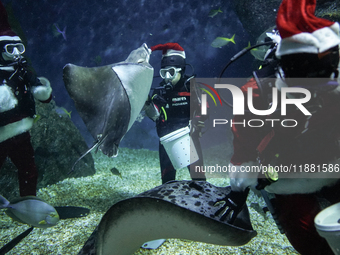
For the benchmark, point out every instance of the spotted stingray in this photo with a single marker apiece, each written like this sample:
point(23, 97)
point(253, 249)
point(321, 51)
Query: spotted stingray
point(179, 209)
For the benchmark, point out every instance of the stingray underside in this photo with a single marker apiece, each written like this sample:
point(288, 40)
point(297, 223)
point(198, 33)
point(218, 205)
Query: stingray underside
point(136, 80)
point(101, 102)
point(182, 209)
point(109, 98)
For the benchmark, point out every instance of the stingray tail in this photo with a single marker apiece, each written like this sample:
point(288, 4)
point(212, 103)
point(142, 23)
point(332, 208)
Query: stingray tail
point(94, 146)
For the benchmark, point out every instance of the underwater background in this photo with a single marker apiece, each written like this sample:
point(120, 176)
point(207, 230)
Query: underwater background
point(105, 32)
point(97, 33)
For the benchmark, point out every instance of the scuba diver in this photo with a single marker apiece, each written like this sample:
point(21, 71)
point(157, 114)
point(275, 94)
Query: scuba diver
point(18, 89)
point(308, 47)
point(169, 107)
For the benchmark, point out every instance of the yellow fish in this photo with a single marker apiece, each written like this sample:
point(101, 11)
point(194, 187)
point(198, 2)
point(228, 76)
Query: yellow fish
point(213, 13)
point(62, 111)
point(259, 52)
point(249, 45)
point(36, 117)
point(221, 41)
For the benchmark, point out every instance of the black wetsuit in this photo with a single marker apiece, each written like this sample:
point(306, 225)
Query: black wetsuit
point(174, 108)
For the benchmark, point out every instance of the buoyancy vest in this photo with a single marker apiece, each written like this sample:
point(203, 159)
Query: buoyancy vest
point(174, 107)
point(19, 83)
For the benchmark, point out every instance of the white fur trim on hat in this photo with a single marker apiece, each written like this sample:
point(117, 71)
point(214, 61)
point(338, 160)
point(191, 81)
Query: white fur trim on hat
point(172, 52)
point(9, 38)
point(318, 41)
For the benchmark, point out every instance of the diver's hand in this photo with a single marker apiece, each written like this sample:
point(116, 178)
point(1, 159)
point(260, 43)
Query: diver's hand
point(198, 122)
point(159, 100)
point(232, 204)
point(151, 110)
point(197, 125)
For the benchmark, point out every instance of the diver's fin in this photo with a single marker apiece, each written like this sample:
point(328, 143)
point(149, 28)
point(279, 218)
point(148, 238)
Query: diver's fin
point(70, 212)
point(9, 246)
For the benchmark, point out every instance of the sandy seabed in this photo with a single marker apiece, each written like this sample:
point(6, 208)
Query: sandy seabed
point(139, 172)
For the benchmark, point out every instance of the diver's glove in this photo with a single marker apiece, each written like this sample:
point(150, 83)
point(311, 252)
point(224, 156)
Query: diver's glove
point(159, 100)
point(232, 205)
point(151, 110)
point(197, 123)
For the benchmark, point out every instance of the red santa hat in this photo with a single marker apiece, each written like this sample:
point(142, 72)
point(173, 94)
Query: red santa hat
point(6, 33)
point(301, 31)
point(169, 49)
point(172, 55)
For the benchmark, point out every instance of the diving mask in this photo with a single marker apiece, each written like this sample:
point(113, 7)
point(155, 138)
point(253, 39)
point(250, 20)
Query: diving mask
point(169, 73)
point(14, 48)
point(12, 52)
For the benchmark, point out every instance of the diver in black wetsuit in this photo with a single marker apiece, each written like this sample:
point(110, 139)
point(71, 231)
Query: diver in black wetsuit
point(169, 107)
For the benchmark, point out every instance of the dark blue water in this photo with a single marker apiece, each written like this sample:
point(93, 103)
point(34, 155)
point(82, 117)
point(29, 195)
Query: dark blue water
point(105, 32)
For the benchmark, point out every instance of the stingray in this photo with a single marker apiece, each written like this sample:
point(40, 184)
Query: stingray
point(179, 209)
point(109, 98)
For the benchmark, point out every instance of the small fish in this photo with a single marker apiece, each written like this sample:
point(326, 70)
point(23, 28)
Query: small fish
point(63, 112)
point(213, 13)
point(36, 118)
point(249, 45)
point(115, 171)
point(59, 31)
point(221, 41)
point(258, 52)
point(30, 210)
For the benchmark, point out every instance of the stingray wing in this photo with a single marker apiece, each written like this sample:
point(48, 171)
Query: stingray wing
point(182, 209)
point(101, 102)
point(109, 98)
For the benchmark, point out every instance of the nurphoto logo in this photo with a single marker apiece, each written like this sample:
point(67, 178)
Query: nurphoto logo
point(280, 99)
